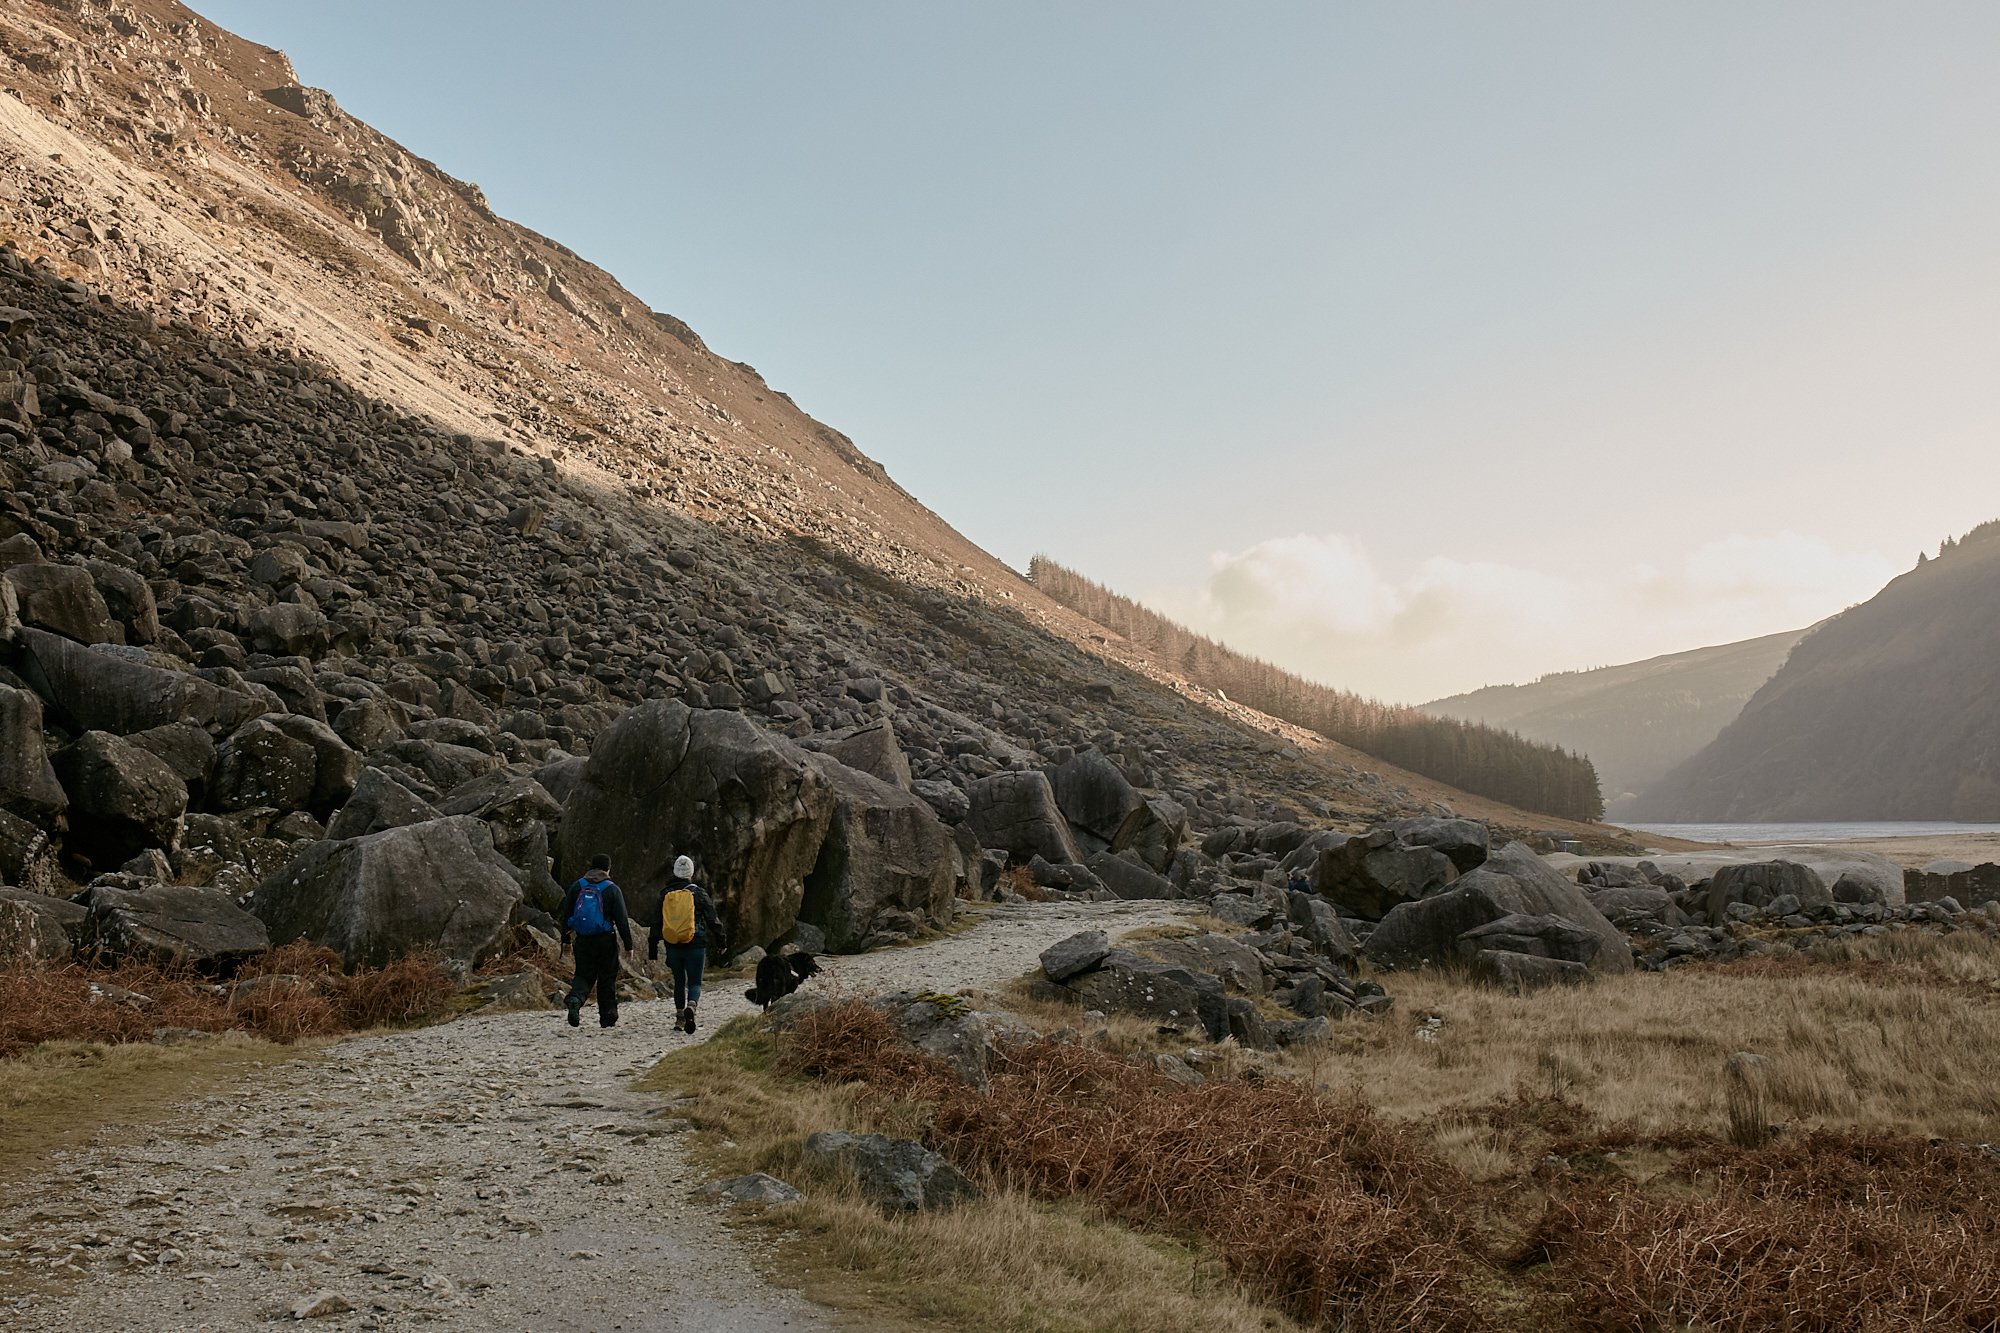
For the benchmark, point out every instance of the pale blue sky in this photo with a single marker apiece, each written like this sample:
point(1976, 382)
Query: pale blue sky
point(1418, 344)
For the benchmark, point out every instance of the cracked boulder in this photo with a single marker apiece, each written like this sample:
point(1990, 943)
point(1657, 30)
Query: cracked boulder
point(665, 780)
point(885, 853)
point(133, 917)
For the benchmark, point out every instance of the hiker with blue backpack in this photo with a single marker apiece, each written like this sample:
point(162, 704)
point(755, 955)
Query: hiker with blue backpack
point(594, 911)
point(688, 928)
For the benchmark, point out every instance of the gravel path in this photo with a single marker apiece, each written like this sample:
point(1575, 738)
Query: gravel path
point(493, 1173)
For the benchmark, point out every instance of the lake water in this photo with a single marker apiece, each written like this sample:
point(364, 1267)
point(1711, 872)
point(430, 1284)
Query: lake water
point(1810, 832)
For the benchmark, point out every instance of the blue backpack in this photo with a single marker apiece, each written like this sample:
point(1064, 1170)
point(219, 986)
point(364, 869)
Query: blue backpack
point(588, 916)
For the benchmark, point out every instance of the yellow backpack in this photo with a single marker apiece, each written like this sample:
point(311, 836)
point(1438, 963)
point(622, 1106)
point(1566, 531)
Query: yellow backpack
point(677, 916)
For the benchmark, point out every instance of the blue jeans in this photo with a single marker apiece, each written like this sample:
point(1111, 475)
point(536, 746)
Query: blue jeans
point(686, 961)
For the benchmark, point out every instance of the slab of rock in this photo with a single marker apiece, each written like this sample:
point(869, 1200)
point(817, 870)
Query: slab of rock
point(899, 1174)
point(375, 898)
point(1128, 983)
point(380, 801)
point(1016, 812)
point(1371, 873)
point(874, 750)
point(1129, 879)
point(1095, 798)
point(1542, 936)
point(28, 785)
point(99, 691)
point(38, 931)
point(665, 780)
point(885, 852)
point(756, 1188)
point(1525, 972)
point(1079, 953)
point(63, 600)
point(136, 918)
point(1467, 842)
point(122, 799)
point(1513, 880)
point(1235, 963)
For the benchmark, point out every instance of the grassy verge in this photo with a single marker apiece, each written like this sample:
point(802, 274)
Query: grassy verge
point(58, 1095)
point(1594, 1159)
point(1007, 1263)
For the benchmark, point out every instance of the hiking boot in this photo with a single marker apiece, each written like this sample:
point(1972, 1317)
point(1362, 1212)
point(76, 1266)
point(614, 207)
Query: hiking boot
point(687, 1019)
point(681, 1018)
point(607, 1020)
point(575, 1013)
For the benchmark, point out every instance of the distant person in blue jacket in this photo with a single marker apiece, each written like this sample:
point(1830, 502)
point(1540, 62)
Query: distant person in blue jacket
point(594, 911)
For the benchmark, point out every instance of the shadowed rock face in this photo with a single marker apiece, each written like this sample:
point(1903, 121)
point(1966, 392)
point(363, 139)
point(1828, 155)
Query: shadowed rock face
point(885, 851)
point(374, 898)
point(666, 780)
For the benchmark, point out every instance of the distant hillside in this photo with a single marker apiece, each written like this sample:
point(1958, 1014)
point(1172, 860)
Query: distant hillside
point(1636, 721)
point(1890, 710)
point(1480, 759)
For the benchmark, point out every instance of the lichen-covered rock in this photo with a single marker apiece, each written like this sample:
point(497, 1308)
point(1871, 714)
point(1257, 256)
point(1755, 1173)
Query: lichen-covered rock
point(372, 899)
point(885, 851)
point(132, 917)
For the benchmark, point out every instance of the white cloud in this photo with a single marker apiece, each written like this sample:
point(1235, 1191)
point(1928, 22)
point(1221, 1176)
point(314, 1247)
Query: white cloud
point(1320, 605)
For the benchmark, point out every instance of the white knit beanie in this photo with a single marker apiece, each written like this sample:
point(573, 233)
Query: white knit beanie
point(684, 867)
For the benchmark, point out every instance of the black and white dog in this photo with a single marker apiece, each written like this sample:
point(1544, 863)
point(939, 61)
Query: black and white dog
point(778, 975)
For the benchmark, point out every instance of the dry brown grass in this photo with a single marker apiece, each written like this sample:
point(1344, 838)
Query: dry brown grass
point(299, 992)
point(1574, 1159)
point(1887, 1033)
point(1829, 1230)
point(1006, 1263)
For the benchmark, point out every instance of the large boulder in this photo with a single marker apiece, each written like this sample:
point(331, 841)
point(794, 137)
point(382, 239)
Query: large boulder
point(1127, 983)
point(185, 748)
point(885, 851)
point(129, 599)
point(101, 691)
point(263, 764)
point(381, 800)
point(873, 750)
point(1541, 936)
point(1466, 842)
point(665, 780)
point(36, 930)
point(122, 799)
point(1017, 813)
point(28, 785)
point(1096, 799)
point(437, 885)
point(1128, 878)
point(336, 768)
point(524, 818)
point(1078, 953)
point(1155, 833)
point(1373, 872)
point(133, 917)
point(1235, 963)
point(1512, 881)
point(63, 600)
point(1758, 882)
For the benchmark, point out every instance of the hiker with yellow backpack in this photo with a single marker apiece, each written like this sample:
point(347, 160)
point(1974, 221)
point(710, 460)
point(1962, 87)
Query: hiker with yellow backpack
point(687, 929)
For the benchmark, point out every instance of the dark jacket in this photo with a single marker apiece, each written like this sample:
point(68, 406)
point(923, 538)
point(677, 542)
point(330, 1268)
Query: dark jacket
point(614, 906)
point(708, 932)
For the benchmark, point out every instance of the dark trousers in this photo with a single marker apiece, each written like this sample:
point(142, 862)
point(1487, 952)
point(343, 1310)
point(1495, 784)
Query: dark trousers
point(686, 961)
point(597, 965)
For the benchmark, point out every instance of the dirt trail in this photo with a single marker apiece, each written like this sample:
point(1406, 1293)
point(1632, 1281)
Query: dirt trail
point(493, 1173)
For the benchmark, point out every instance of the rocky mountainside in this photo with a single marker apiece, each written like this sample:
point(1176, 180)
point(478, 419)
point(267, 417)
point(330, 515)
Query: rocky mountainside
point(1890, 710)
point(340, 520)
point(1635, 721)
